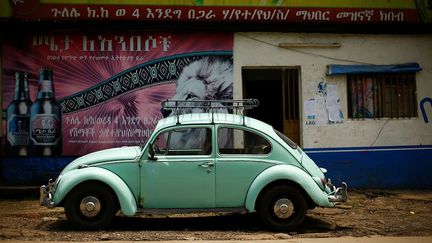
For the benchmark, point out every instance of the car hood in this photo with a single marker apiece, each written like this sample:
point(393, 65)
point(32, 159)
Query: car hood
point(107, 155)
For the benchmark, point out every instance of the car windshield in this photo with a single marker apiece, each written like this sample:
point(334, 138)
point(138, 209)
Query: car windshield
point(286, 139)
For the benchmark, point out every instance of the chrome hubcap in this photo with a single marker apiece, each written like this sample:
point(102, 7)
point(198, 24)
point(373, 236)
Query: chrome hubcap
point(283, 208)
point(90, 206)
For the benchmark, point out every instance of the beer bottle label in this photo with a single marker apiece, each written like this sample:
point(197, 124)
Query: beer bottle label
point(45, 129)
point(18, 130)
point(46, 86)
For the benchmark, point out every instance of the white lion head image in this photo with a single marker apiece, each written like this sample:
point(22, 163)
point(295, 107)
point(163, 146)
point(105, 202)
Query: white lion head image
point(209, 78)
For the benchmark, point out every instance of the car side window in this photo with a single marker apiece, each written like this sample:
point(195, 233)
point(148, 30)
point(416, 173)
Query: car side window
point(239, 141)
point(184, 141)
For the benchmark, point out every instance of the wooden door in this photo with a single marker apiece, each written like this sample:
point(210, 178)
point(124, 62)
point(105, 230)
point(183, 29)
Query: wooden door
point(291, 122)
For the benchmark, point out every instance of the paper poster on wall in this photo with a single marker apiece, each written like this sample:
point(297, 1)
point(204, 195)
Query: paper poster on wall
point(310, 114)
point(325, 108)
point(333, 105)
point(315, 112)
point(322, 114)
point(87, 92)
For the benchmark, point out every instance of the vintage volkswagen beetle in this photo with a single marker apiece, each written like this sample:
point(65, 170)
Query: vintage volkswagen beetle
point(196, 162)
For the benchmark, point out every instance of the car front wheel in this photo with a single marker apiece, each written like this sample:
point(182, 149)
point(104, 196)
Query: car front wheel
point(282, 208)
point(91, 206)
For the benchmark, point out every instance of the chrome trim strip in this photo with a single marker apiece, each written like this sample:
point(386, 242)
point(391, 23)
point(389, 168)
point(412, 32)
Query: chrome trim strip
point(159, 211)
point(82, 166)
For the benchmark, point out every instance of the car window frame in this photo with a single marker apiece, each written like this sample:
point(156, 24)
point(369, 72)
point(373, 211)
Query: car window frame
point(243, 128)
point(171, 129)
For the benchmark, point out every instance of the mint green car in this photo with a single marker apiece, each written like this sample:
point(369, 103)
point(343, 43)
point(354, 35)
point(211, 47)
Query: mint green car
point(196, 163)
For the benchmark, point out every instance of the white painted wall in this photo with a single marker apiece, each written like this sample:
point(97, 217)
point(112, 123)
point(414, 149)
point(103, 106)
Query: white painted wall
point(261, 50)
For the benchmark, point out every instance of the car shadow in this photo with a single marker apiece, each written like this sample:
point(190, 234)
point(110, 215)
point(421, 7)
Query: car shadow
point(228, 222)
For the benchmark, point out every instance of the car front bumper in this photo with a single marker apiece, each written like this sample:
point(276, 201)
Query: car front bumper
point(339, 194)
point(46, 195)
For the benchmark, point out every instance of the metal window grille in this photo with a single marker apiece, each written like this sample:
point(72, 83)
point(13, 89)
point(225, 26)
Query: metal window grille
point(382, 95)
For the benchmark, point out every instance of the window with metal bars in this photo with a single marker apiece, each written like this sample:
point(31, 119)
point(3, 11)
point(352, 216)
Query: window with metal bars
point(382, 95)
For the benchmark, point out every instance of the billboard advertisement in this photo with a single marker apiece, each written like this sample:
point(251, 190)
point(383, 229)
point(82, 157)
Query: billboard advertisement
point(69, 94)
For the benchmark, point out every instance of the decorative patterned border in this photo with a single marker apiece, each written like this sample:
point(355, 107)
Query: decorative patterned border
point(147, 74)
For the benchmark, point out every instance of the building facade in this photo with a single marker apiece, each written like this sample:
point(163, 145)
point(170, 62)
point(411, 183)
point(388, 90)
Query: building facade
point(375, 150)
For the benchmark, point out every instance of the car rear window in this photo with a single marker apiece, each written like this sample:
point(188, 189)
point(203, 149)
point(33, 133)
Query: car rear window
point(286, 140)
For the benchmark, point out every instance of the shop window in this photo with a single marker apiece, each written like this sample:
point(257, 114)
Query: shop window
point(382, 95)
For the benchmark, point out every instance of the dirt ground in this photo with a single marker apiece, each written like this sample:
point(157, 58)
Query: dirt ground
point(367, 213)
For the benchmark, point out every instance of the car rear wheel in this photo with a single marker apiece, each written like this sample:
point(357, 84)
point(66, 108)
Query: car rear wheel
point(282, 208)
point(91, 206)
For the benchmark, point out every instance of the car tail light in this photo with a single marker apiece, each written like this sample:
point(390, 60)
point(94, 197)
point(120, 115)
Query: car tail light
point(323, 182)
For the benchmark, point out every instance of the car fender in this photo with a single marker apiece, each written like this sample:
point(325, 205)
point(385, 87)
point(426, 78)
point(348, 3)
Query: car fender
point(286, 172)
point(73, 178)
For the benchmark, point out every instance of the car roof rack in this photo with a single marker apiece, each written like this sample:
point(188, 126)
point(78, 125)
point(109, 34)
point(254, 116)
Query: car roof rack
point(238, 107)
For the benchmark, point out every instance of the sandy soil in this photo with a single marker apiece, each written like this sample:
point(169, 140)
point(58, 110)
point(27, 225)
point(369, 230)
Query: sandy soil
point(367, 213)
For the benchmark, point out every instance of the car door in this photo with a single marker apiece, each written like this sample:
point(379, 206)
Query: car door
point(182, 175)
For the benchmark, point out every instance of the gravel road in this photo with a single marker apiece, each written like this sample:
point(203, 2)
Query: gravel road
point(367, 213)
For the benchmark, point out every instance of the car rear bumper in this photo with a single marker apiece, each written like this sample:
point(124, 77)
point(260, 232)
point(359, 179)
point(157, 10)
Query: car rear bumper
point(339, 194)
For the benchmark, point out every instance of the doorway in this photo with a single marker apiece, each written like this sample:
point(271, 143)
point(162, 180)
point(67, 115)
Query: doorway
point(277, 90)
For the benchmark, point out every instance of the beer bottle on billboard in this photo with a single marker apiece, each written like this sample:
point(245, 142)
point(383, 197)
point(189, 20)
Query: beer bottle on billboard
point(45, 118)
point(18, 117)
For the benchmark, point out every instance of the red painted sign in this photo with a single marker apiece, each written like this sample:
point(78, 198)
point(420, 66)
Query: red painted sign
point(218, 14)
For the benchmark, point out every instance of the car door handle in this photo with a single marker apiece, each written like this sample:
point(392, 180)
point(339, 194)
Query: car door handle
point(206, 164)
